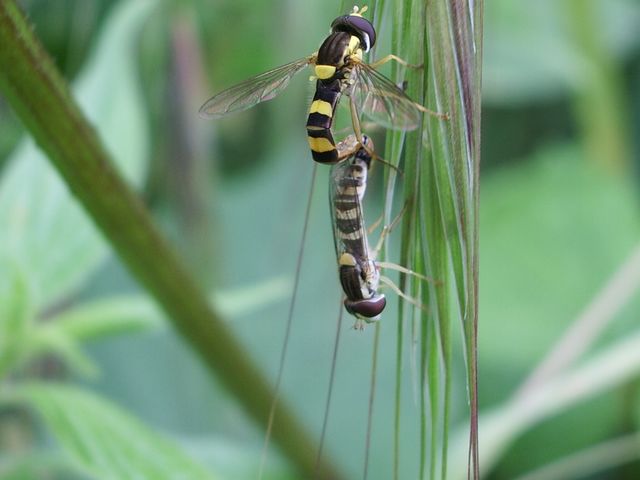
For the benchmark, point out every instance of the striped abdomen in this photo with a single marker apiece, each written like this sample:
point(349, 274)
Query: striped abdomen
point(357, 269)
point(321, 113)
point(347, 204)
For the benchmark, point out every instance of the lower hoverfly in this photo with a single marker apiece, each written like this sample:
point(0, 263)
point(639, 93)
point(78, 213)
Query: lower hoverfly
point(358, 269)
point(339, 69)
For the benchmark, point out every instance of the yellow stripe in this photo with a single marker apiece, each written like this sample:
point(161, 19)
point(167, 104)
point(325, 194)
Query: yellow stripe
point(350, 236)
point(325, 71)
point(346, 214)
point(320, 106)
point(354, 42)
point(347, 259)
point(320, 145)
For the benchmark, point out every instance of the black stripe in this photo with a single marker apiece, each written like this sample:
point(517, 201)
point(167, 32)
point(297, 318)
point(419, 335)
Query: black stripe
point(347, 226)
point(348, 204)
point(330, 94)
point(350, 280)
point(325, 157)
point(319, 120)
point(348, 182)
point(321, 133)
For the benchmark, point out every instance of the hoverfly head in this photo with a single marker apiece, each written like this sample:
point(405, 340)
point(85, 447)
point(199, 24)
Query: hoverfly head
point(356, 24)
point(368, 310)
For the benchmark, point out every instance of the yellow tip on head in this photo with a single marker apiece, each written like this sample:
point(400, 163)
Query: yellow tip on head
point(325, 71)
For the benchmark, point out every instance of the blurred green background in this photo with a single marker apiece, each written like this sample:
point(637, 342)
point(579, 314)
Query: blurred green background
point(558, 216)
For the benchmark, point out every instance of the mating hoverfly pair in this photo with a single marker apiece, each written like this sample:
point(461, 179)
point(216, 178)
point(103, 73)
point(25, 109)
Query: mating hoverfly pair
point(340, 70)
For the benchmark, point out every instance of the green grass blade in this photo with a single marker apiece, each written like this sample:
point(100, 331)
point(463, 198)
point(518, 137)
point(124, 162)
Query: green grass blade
point(454, 52)
point(440, 187)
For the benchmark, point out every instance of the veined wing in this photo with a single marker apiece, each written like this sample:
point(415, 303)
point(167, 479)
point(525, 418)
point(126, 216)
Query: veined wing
point(382, 101)
point(347, 219)
point(254, 90)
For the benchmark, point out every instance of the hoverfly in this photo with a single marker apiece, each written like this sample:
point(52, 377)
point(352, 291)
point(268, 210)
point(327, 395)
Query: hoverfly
point(339, 69)
point(358, 269)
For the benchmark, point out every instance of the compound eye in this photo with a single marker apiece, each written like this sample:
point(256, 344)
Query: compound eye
point(356, 25)
point(366, 30)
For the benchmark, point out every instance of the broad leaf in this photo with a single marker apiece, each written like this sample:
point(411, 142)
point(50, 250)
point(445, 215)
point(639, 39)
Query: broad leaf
point(16, 315)
point(103, 440)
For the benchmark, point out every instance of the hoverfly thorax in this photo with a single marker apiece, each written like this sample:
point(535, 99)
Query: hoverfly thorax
point(331, 55)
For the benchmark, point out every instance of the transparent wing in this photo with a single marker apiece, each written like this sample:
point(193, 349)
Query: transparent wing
point(347, 219)
point(254, 90)
point(382, 101)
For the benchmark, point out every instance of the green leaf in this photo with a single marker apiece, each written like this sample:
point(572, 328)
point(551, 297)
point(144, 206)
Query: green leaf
point(549, 216)
point(22, 339)
point(111, 316)
point(121, 314)
point(35, 465)
point(518, 68)
point(48, 339)
point(103, 440)
point(44, 227)
point(16, 315)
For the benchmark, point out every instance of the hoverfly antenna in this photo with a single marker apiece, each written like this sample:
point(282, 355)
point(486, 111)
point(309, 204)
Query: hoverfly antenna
point(359, 11)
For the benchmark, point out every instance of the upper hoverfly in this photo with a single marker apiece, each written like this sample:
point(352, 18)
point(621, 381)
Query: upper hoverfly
point(339, 69)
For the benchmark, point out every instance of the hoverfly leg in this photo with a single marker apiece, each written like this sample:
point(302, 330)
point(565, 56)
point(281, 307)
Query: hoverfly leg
point(401, 269)
point(358, 325)
point(386, 230)
point(389, 283)
point(442, 116)
point(388, 58)
point(372, 228)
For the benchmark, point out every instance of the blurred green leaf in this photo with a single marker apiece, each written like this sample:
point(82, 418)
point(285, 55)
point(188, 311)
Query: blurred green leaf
point(530, 54)
point(613, 366)
point(553, 230)
point(235, 460)
point(48, 339)
point(110, 316)
point(16, 315)
point(591, 461)
point(104, 441)
point(22, 339)
point(35, 465)
point(44, 228)
point(129, 313)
